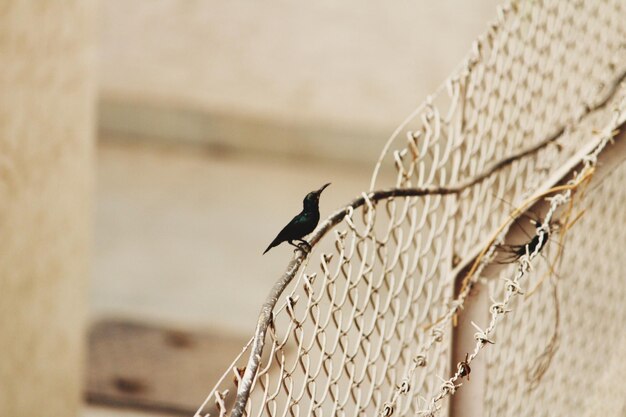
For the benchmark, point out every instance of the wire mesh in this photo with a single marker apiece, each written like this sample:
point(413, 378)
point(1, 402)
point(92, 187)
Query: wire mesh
point(564, 345)
point(363, 324)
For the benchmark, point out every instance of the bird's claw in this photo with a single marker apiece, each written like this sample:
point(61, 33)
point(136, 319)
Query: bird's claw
point(304, 246)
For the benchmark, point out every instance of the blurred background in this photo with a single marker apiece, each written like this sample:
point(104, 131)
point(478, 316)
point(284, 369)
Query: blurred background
point(149, 152)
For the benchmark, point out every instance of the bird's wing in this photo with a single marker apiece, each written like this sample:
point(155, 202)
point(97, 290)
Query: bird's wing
point(288, 231)
point(291, 228)
point(299, 219)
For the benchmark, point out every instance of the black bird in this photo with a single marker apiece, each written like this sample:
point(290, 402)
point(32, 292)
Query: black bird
point(303, 224)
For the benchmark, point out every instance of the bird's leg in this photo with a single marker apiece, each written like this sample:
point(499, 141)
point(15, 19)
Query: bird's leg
point(306, 244)
point(303, 246)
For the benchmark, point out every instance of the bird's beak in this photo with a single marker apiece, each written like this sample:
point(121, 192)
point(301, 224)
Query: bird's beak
point(318, 192)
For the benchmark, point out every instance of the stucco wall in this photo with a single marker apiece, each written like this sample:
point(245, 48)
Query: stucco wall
point(350, 65)
point(47, 86)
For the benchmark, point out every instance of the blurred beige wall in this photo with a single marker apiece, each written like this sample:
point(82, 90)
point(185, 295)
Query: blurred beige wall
point(306, 77)
point(47, 97)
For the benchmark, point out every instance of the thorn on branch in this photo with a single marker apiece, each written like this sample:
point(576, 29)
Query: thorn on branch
point(499, 308)
point(239, 372)
point(450, 387)
point(420, 360)
point(437, 334)
point(405, 387)
point(463, 368)
point(513, 287)
point(387, 410)
point(481, 335)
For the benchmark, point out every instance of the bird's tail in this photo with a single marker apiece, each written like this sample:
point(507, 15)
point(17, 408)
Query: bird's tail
point(274, 243)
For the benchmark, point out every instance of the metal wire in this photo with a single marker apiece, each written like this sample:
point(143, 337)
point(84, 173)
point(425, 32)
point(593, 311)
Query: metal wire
point(362, 325)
